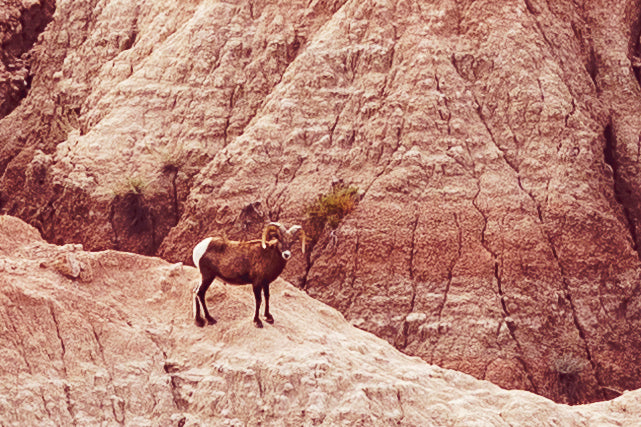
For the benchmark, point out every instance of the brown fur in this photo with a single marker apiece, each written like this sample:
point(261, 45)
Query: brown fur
point(243, 262)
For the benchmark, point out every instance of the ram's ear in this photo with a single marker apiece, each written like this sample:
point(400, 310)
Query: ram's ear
point(272, 242)
point(269, 229)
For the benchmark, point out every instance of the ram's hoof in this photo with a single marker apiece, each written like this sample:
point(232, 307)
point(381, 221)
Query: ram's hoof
point(258, 323)
point(211, 321)
point(269, 319)
point(199, 322)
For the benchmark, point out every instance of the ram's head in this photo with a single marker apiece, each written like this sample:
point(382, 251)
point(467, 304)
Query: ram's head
point(275, 234)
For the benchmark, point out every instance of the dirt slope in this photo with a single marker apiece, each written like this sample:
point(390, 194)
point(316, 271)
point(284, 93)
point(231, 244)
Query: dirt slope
point(495, 146)
point(107, 338)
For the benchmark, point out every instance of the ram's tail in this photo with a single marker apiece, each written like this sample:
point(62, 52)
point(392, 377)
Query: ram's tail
point(199, 251)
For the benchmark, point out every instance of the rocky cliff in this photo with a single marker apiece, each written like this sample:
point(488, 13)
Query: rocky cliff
point(106, 338)
point(495, 146)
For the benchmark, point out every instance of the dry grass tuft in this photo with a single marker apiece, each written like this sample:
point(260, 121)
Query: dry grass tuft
point(330, 208)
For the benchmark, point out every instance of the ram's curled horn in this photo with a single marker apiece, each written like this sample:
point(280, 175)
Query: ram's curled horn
point(294, 230)
point(271, 226)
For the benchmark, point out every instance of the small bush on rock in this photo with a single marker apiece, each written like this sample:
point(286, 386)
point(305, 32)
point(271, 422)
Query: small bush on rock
point(568, 369)
point(330, 208)
point(129, 197)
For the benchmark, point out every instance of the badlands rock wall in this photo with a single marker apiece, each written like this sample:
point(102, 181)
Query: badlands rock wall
point(495, 146)
point(20, 24)
point(93, 338)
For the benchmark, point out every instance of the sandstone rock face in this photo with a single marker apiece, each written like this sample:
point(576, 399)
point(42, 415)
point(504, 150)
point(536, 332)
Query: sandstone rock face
point(495, 146)
point(129, 101)
point(20, 24)
point(102, 338)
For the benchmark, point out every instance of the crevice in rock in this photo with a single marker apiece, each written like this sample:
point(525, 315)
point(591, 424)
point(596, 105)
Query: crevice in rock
point(506, 313)
point(174, 194)
point(590, 62)
point(399, 135)
point(577, 323)
point(225, 131)
point(62, 343)
point(497, 277)
point(308, 266)
point(112, 210)
point(535, 14)
point(14, 52)
point(581, 330)
point(510, 163)
point(571, 113)
point(232, 98)
point(511, 325)
point(447, 115)
point(65, 386)
point(413, 250)
point(44, 404)
point(622, 191)
point(565, 284)
point(172, 369)
point(355, 294)
point(402, 342)
point(70, 410)
point(400, 405)
point(634, 45)
point(261, 387)
point(333, 128)
point(484, 228)
point(450, 271)
point(101, 349)
point(174, 381)
point(591, 66)
point(118, 412)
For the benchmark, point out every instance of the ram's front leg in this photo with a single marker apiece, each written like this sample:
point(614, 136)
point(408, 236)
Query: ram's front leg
point(268, 317)
point(257, 289)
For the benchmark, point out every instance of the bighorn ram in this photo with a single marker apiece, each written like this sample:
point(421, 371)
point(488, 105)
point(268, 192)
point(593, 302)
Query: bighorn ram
point(258, 262)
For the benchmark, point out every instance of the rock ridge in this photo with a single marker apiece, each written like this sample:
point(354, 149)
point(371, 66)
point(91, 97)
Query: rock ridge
point(495, 146)
point(107, 338)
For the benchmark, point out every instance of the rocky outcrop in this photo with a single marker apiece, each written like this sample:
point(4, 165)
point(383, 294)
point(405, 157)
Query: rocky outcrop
point(166, 87)
point(107, 338)
point(21, 22)
point(490, 236)
point(495, 147)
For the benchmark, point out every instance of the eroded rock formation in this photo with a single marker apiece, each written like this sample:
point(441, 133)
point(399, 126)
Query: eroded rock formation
point(21, 22)
point(495, 146)
point(93, 338)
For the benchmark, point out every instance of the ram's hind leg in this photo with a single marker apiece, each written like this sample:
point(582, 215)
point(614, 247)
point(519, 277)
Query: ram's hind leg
point(199, 303)
point(268, 317)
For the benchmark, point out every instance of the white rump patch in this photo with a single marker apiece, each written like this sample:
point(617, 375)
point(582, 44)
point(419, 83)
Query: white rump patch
point(199, 251)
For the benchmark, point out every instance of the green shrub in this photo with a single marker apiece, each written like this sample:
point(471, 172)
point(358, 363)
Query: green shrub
point(567, 364)
point(330, 208)
point(568, 368)
point(130, 201)
point(135, 185)
point(171, 158)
